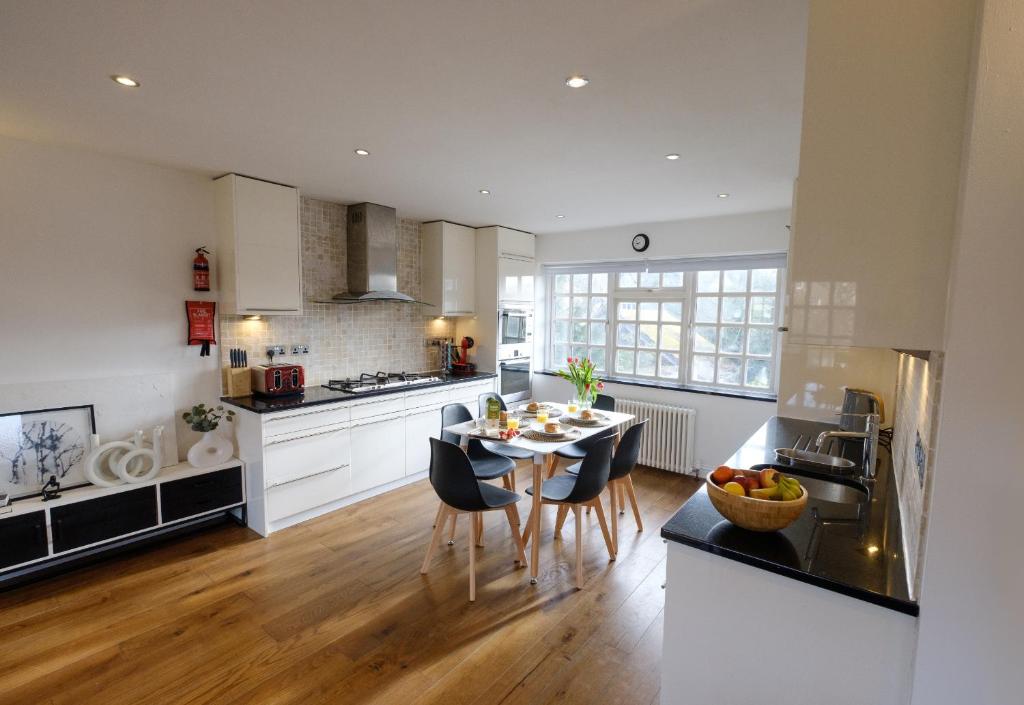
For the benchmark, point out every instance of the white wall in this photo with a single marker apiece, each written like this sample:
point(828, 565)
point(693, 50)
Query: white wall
point(95, 269)
point(972, 621)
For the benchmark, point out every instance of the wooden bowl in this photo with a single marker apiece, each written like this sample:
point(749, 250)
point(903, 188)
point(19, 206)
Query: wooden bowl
point(756, 514)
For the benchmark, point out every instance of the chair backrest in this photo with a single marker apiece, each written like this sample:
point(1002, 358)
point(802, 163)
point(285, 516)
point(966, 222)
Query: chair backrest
point(604, 403)
point(484, 398)
point(628, 451)
point(452, 414)
point(452, 477)
point(594, 471)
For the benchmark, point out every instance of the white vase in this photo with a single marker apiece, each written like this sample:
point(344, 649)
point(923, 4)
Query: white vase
point(212, 449)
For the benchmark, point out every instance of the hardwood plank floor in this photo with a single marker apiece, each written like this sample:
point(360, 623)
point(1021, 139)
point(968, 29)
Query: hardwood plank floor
point(335, 611)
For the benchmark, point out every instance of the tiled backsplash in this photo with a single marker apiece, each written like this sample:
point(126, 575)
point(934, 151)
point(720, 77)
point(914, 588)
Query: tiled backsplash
point(913, 446)
point(344, 340)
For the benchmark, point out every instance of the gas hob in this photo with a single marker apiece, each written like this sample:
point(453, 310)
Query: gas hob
point(381, 380)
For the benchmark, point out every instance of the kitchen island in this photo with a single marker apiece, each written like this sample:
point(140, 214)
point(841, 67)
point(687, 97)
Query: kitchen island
point(820, 611)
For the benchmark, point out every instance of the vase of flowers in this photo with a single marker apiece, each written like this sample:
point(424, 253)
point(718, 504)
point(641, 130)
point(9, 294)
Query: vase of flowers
point(213, 448)
point(580, 372)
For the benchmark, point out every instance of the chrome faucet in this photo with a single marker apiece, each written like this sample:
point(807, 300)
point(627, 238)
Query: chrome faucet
point(870, 436)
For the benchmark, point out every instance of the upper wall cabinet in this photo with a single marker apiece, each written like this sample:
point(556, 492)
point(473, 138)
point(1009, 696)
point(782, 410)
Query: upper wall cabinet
point(880, 143)
point(258, 257)
point(449, 268)
point(515, 243)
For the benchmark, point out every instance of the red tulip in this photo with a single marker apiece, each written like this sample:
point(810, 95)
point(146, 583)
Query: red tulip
point(569, 360)
point(600, 385)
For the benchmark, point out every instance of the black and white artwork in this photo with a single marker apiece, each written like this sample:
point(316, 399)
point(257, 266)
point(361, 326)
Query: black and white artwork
point(35, 445)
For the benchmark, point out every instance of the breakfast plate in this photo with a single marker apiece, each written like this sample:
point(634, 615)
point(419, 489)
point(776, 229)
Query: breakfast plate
point(597, 419)
point(541, 406)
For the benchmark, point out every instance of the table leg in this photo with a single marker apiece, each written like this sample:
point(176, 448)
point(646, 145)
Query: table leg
point(538, 475)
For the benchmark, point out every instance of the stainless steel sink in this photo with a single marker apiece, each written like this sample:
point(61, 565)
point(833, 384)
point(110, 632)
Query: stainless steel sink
point(816, 460)
point(838, 492)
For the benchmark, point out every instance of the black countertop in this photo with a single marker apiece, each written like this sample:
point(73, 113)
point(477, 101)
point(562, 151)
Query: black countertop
point(321, 395)
point(854, 551)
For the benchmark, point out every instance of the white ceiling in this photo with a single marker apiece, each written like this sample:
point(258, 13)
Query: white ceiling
point(450, 96)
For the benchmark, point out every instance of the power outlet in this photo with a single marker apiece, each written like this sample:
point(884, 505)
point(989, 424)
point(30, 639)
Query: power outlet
point(300, 350)
point(275, 350)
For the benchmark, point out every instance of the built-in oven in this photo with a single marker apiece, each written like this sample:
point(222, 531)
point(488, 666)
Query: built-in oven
point(514, 379)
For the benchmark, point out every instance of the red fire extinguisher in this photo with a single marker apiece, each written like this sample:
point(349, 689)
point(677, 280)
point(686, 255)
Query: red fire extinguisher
point(201, 270)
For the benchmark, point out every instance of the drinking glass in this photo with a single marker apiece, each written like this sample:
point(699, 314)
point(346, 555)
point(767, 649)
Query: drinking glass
point(573, 406)
point(513, 422)
point(542, 415)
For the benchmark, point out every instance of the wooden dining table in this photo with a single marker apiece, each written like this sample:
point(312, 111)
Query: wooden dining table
point(542, 452)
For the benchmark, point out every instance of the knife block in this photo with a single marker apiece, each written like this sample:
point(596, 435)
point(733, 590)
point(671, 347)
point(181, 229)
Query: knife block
point(237, 381)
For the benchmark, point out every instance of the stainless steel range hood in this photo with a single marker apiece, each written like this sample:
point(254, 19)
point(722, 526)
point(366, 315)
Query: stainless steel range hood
point(372, 236)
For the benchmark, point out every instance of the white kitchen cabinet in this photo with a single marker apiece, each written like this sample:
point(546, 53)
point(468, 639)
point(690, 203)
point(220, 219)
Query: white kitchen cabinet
point(420, 426)
point(449, 268)
point(258, 256)
point(515, 243)
point(378, 451)
point(515, 281)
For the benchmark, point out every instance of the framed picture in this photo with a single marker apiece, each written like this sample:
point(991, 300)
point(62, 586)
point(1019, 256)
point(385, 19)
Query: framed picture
point(35, 445)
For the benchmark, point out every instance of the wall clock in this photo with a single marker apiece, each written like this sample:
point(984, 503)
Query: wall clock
point(641, 242)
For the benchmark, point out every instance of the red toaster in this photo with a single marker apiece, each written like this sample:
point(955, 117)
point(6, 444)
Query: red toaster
point(278, 380)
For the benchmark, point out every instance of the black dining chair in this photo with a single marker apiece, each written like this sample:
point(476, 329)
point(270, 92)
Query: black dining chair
point(487, 465)
point(581, 490)
point(576, 451)
point(454, 480)
point(508, 451)
point(620, 480)
point(603, 402)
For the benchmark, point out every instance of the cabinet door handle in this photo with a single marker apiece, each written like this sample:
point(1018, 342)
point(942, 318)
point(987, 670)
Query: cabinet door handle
point(308, 435)
point(378, 419)
point(295, 416)
point(306, 477)
point(268, 308)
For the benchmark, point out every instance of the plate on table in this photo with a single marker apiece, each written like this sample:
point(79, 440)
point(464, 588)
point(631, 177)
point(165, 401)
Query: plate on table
point(597, 419)
point(538, 428)
point(543, 405)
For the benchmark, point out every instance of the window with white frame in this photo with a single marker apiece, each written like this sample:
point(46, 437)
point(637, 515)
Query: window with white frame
point(712, 324)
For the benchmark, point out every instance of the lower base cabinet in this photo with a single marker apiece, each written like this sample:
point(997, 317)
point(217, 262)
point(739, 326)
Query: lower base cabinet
point(378, 451)
point(83, 523)
point(23, 538)
point(195, 495)
point(420, 426)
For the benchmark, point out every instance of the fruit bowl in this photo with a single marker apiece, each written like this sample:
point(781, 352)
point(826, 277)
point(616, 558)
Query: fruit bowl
point(756, 514)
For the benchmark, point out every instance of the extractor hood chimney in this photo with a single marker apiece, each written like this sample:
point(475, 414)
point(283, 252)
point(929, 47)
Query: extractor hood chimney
point(372, 236)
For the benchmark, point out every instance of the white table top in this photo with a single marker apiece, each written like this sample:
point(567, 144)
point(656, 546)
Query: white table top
point(545, 447)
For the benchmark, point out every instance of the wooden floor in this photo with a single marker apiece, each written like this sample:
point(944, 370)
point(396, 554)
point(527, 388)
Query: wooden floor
point(335, 611)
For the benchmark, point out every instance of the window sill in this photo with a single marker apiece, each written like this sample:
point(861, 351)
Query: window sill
point(749, 396)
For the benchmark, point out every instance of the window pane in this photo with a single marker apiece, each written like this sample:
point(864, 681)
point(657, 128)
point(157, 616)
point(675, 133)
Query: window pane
point(670, 336)
point(763, 279)
point(597, 333)
point(558, 355)
point(625, 334)
point(651, 280)
point(707, 282)
point(758, 373)
point(762, 309)
point(579, 351)
point(598, 308)
point(734, 309)
point(624, 361)
point(597, 356)
point(672, 312)
point(672, 279)
point(646, 362)
point(729, 370)
point(561, 307)
point(599, 283)
point(579, 332)
point(703, 368)
point(561, 283)
point(759, 341)
point(648, 310)
point(627, 311)
point(705, 339)
point(731, 340)
point(668, 365)
point(627, 280)
point(580, 283)
point(648, 336)
point(579, 306)
point(734, 280)
point(560, 331)
point(707, 309)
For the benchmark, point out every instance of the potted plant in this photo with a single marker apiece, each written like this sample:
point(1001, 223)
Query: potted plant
point(213, 448)
point(580, 373)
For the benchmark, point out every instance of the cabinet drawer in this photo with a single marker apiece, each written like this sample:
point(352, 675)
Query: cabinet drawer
point(308, 492)
point(202, 493)
point(22, 538)
point(469, 393)
point(280, 424)
point(382, 405)
point(292, 457)
point(95, 520)
point(435, 397)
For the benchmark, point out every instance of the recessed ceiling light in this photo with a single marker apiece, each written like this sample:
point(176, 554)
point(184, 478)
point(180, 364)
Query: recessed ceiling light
point(559, 216)
point(126, 81)
point(723, 195)
point(484, 191)
point(673, 157)
point(362, 153)
point(577, 81)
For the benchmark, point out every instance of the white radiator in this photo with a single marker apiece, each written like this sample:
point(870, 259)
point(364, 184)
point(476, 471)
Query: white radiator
point(668, 439)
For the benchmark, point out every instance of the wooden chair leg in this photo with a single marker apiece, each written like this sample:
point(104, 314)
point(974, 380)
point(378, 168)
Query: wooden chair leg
point(604, 528)
point(628, 482)
point(622, 497)
point(451, 534)
point(513, 521)
point(437, 517)
point(512, 480)
point(552, 466)
point(472, 558)
point(613, 494)
point(579, 545)
point(435, 537)
point(529, 528)
point(478, 523)
point(506, 483)
point(563, 512)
